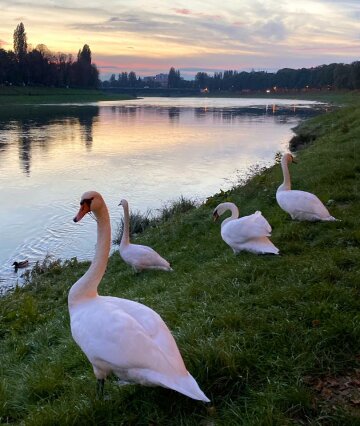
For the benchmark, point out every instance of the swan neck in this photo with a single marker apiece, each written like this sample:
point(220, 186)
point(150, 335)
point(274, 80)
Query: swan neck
point(125, 239)
point(234, 212)
point(286, 185)
point(86, 286)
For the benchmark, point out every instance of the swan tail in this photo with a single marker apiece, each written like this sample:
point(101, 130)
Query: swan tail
point(259, 246)
point(331, 219)
point(272, 250)
point(188, 386)
point(183, 383)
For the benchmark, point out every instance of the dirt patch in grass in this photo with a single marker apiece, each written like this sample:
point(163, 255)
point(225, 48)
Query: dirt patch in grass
point(333, 392)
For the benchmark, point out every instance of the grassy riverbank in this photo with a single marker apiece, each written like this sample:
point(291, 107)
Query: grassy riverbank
point(271, 340)
point(16, 96)
point(43, 103)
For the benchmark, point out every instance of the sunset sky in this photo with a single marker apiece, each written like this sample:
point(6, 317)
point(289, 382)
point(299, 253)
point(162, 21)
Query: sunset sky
point(149, 37)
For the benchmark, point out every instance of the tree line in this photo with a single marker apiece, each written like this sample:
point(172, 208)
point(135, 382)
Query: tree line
point(332, 76)
point(40, 67)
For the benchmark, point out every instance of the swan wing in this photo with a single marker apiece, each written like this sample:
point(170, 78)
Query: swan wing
point(121, 335)
point(142, 257)
point(302, 205)
point(246, 228)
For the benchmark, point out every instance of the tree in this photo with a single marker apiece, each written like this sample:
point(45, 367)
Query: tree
point(83, 73)
point(20, 42)
point(174, 78)
point(132, 79)
point(84, 55)
point(112, 80)
point(355, 74)
point(202, 80)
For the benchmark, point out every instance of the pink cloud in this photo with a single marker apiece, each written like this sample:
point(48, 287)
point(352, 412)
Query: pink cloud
point(4, 43)
point(202, 14)
point(183, 11)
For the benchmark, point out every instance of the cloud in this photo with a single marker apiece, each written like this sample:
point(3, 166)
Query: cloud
point(183, 11)
point(274, 30)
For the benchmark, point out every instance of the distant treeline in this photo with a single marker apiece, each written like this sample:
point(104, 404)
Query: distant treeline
point(333, 76)
point(40, 67)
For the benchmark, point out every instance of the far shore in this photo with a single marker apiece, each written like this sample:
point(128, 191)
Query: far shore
point(17, 96)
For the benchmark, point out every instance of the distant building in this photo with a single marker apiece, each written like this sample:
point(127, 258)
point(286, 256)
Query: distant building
point(161, 79)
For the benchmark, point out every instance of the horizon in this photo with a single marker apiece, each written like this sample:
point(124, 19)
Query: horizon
point(265, 36)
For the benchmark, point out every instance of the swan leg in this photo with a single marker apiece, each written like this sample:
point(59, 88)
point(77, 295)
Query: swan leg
point(135, 270)
point(100, 388)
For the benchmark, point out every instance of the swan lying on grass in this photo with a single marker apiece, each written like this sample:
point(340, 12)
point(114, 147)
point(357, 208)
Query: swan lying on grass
point(138, 256)
point(119, 335)
point(249, 233)
point(300, 205)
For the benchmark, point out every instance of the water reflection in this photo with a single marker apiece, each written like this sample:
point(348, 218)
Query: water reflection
point(227, 114)
point(39, 131)
point(174, 114)
point(148, 151)
point(24, 147)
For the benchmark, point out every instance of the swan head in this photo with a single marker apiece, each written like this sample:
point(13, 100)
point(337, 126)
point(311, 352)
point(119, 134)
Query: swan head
point(288, 158)
point(123, 203)
point(220, 209)
point(91, 201)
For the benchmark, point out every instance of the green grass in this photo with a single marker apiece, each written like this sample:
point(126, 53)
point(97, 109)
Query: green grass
point(255, 331)
point(17, 96)
point(141, 221)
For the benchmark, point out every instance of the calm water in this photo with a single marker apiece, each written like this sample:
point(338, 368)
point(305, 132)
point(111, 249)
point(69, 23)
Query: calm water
point(149, 151)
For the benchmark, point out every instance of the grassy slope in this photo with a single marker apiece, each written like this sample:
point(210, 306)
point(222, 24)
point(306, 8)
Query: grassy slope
point(253, 330)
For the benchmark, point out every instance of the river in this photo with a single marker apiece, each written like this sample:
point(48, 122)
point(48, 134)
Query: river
point(149, 151)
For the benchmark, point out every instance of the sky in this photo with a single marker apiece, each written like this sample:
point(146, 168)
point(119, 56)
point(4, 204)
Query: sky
point(149, 37)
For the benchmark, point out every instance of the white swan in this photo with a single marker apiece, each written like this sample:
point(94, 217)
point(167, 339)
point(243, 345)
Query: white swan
point(119, 335)
point(300, 205)
point(249, 233)
point(138, 256)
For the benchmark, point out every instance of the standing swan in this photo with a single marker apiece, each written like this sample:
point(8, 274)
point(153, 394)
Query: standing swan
point(249, 233)
point(138, 256)
point(300, 205)
point(119, 335)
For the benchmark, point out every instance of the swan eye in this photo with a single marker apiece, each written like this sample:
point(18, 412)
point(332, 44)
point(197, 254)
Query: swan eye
point(86, 201)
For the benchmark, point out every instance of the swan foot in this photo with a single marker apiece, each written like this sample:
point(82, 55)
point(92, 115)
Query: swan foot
point(100, 388)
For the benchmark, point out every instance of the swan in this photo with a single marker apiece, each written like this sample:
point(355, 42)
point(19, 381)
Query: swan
point(300, 205)
point(120, 335)
point(138, 256)
point(249, 233)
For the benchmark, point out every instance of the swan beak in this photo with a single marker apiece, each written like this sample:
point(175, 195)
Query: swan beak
point(84, 209)
point(215, 216)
